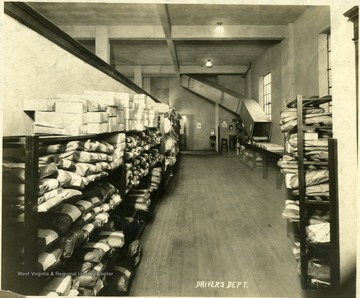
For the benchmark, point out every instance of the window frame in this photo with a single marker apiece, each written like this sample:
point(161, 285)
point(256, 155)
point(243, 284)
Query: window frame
point(267, 94)
point(329, 68)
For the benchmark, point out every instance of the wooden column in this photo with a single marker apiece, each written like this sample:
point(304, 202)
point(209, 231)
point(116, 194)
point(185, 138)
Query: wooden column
point(102, 46)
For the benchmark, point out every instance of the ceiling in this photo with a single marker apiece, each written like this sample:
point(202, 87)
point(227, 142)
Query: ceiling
point(171, 39)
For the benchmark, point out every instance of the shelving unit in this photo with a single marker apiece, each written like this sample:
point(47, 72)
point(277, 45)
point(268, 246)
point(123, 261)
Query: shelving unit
point(27, 150)
point(314, 208)
point(250, 157)
point(307, 202)
point(28, 266)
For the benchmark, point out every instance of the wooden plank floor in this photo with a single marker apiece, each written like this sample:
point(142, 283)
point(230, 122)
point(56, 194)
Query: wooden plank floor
point(218, 224)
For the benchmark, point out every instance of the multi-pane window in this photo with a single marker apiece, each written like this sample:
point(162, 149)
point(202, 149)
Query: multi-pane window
point(267, 94)
point(329, 78)
point(329, 64)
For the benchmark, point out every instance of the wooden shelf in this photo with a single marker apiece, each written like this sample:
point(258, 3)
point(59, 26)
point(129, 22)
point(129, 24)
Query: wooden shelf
point(317, 200)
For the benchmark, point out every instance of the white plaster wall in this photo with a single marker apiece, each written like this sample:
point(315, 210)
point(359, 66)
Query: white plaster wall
point(344, 114)
point(270, 61)
point(41, 69)
point(306, 40)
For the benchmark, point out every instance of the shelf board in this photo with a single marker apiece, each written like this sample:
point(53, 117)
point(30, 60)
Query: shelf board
point(317, 200)
point(318, 244)
point(315, 163)
point(317, 126)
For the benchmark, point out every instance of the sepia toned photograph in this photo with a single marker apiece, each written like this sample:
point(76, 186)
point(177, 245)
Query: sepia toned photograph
point(180, 148)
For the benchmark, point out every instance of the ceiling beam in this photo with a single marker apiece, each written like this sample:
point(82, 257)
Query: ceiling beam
point(137, 32)
point(79, 32)
point(243, 32)
point(166, 24)
point(165, 70)
point(220, 69)
point(168, 70)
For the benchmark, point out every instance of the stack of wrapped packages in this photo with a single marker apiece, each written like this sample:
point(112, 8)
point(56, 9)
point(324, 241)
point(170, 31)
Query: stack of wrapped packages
point(85, 243)
point(312, 115)
point(155, 178)
point(318, 231)
point(73, 209)
point(77, 114)
point(117, 140)
point(139, 199)
point(61, 286)
point(92, 112)
point(248, 156)
point(13, 206)
point(129, 258)
point(141, 155)
point(315, 149)
point(141, 113)
point(171, 130)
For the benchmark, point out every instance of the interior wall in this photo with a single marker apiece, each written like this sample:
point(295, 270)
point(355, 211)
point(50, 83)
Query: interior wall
point(269, 61)
point(227, 116)
point(307, 30)
point(293, 64)
point(236, 83)
point(159, 88)
point(344, 115)
point(200, 113)
point(233, 82)
point(41, 71)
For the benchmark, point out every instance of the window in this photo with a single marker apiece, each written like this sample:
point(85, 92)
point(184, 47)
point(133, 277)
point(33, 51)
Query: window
point(329, 78)
point(267, 94)
point(328, 39)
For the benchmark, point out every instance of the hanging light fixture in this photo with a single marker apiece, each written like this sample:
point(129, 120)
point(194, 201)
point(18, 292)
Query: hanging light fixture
point(208, 63)
point(219, 28)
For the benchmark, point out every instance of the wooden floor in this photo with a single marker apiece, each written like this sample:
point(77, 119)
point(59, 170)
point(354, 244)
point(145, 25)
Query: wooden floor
point(218, 232)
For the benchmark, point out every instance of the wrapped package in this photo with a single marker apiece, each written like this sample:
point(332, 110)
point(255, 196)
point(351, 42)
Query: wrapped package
point(93, 252)
point(90, 278)
point(49, 259)
point(62, 217)
point(114, 239)
point(120, 281)
point(71, 240)
point(59, 285)
point(46, 237)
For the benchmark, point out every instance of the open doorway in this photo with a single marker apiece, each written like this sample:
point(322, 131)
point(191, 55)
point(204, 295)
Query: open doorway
point(183, 121)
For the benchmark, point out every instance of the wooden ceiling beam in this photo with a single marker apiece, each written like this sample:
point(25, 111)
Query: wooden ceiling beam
point(166, 24)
